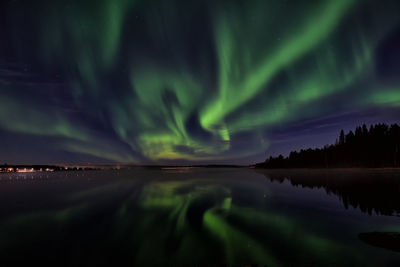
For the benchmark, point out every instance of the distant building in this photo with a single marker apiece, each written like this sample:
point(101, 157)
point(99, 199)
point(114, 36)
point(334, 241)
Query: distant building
point(25, 170)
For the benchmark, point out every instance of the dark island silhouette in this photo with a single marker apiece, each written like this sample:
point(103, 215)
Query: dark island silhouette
point(376, 147)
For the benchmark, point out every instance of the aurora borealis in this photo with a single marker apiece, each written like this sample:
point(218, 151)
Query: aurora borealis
point(133, 81)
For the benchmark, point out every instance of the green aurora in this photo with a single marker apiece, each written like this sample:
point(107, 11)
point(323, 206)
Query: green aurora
point(148, 81)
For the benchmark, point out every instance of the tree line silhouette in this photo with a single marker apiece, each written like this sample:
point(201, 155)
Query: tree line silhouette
point(378, 146)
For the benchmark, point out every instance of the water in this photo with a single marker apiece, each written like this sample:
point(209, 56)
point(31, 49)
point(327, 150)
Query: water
point(199, 217)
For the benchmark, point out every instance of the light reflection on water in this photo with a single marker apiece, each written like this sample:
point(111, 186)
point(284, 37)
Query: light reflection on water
point(149, 217)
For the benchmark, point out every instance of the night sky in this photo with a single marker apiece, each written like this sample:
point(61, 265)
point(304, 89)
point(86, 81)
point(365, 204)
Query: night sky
point(170, 81)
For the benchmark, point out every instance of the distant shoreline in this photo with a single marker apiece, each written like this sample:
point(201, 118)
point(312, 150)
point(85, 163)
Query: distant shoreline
point(60, 168)
point(328, 169)
point(56, 168)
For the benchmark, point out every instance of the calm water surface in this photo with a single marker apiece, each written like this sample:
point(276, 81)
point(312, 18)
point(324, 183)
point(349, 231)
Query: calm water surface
point(199, 217)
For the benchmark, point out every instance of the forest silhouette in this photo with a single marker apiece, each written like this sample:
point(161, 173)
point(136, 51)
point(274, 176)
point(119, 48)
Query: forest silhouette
point(376, 147)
